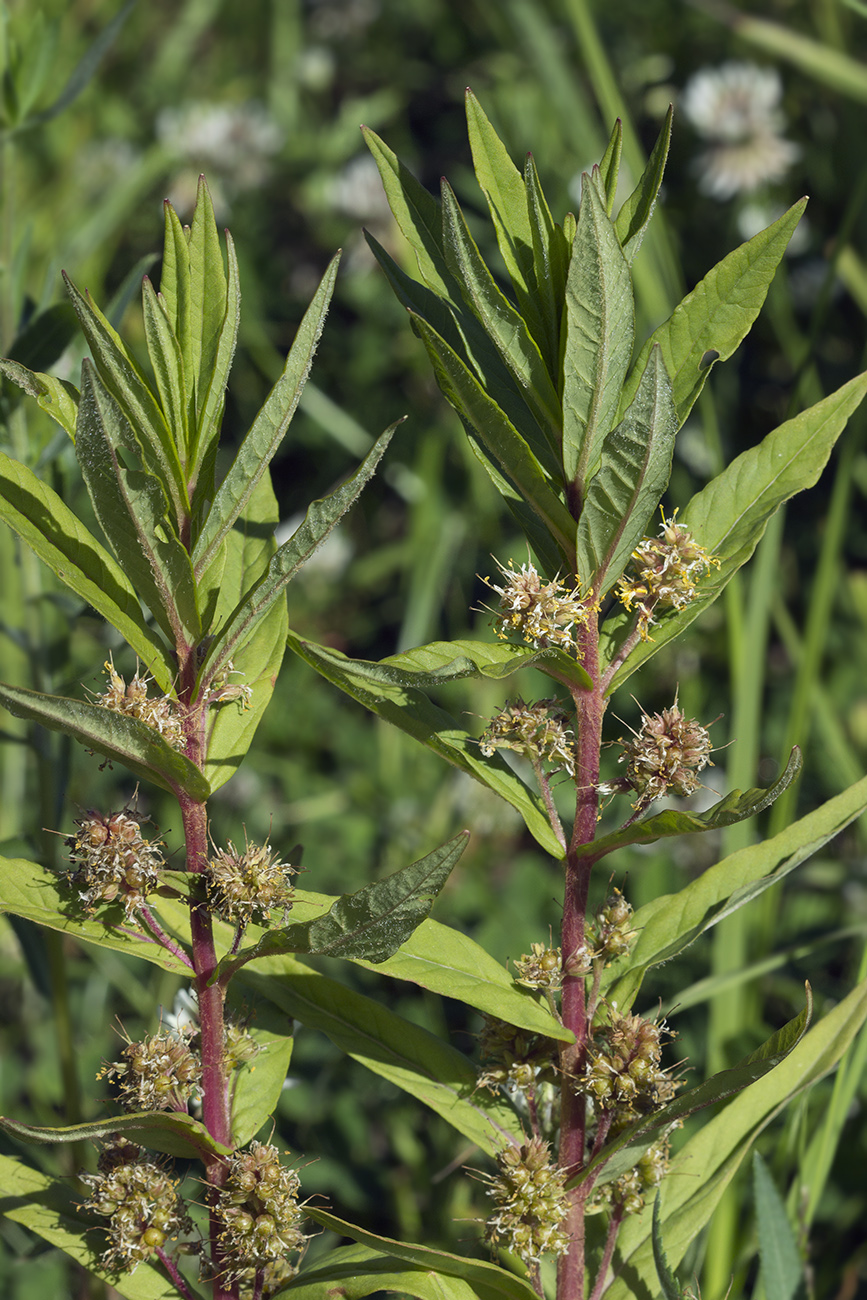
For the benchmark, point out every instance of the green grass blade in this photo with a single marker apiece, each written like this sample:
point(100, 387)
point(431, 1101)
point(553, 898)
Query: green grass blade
point(782, 1267)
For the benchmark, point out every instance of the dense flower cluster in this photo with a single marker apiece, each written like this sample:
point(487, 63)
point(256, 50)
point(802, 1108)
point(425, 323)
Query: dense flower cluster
point(541, 613)
point(259, 1214)
point(159, 1072)
point(542, 969)
point(531, 1203)
point(628, 1192)
point(139, 1199)
point(666, 571)
point(623, 1072)
point(665, 755)
point(538, 731)
point(112, 862)
point(161, 713)
point(519, 1058)
point(241, 887)
point(611, 935)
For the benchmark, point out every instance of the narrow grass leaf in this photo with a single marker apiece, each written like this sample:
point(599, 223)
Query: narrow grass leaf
point(599, 329)
point(729, 516)
point(633, 474)
point(268, 429)
point(59, 538)
point(57, 397)
point(634, 216)
point(411, 710)
point(782, 1266)
point(488, 1281)
point(409, 1057)
point(369, 925)
point(170, 1132)
point(717, 315)
point(120, 738)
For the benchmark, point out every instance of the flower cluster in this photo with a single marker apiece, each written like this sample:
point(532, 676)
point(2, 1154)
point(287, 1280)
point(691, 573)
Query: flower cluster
point(623, 1073)
point(629, 1190)
point(541, 613)
point(665, 755)
point(667, 569)
point(245, 886)
point(258, 1211)
point(139, 1199)
point(112, 862)
point(542, 969)
point(611, 936)
point(736, 107)
point(222, 690)
point(538, 731)
point(531, 1202)
point(520, 1058)
point(161, 713)
point(159, 1072)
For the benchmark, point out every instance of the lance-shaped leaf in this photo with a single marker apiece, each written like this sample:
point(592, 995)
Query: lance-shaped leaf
point(208, 294)
point(720, 1145)
point(268, 429)
point(499, 435)
point(29, 890)
point(670, 923)
point(132, 512)
point(717, 315)
point(447, 661)
point(502, 323)
point(551, 251)
point(488, 1281)
point(57, 397)
point(60, 540)
point(408, 1056)
point(634, 216)
point(634, 473)
point(729, 516)
point(122, 378)
point(175, 279)
point(548, 555)
point(170, 1132)
point(49, 1208)
point(168, 364)
point(599, 329)
point(412, 711)
point(322, 516)
point(609, 166)
point(213, 377)
point(370, 924)
point(626, 1149)
point(122, 739)
point(735, 807)
point(357, 1271)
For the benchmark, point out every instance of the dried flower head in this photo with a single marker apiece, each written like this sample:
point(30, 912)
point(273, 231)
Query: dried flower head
point(543, 969)
point(161, 712)
point(531, 1203)
point(623, 1072)
point(244, 886)
point(160, 1072)
point(538, 731)
point(665, 755)
point(541, 613)
point(258, 1211)
point(667, 569)
point(140, 1200)
point(112, 862)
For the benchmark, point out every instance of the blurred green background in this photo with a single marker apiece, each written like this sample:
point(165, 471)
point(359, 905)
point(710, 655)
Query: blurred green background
point(107, 109)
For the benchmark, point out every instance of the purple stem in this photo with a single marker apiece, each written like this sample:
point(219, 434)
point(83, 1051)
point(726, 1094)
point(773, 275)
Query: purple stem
point(162, 938)
point(172, 1270)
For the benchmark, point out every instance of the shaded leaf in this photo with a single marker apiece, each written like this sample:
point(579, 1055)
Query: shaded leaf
point(782, 1268)
point(634, 216)
point(670, 1287)
point(357, 1271)
point(255, 1087)
point(44, 339)
point(170, 1132)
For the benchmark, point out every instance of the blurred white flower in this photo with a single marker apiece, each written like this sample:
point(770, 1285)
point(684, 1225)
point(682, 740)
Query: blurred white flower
point(357, 191)
point(235, 141)
point(737, 108)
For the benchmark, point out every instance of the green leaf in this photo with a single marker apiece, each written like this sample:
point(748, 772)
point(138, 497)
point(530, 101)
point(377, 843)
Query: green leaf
point(44, 339)
point(168, 366)
point(416, 212)
point(488, 1281)
point(448, 661)
point(550, 261)
point(208, 295)
point(122, 378)
point(170, 1132)
point(609, 166)
point(412, 711)
point(56, 397)
point(356, 1271)
point(370, 924)
point(30, 890)
point(85, 70)
point(131, 509)
point(599, 329)
point(48, 1207)
point(268, 429)
point(669, 1283)
point(211, 393)
point(634, 473)
point(782, 1268)
point(548, 556)
point(717, 315)
point(499, 435)
point(408, 1056)
point(175, 281)
point(322, 516)
point(255, 1088)
point(718, 1148)
point(634, 217)
point(729, 516)
point(502, 323)
point(627, 1148)
point(60, 540)
point(736, 806)
point(122, 739)
point(671, 922)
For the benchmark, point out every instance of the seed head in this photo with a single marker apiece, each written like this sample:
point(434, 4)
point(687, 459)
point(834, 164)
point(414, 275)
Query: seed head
point(538, 731)
point(161, 712)
point(666, 754)
point(611, 935)
point(519, 1058)
point(541, 970)
point(258, 1210)
point(667, 569)
point(531, 1203)
point(244, 886)
point(541, 613)
point(623, 1072)
point(140, 1200)
point(160, 1072)
point(112, 862)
